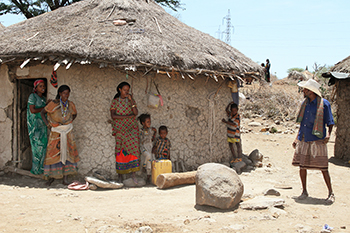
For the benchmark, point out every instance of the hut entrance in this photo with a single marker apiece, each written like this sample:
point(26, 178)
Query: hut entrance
point(24, 152)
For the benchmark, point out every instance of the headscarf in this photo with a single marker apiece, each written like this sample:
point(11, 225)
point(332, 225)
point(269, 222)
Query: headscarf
point(61, 89)
point(36, 83)
point(120, 86)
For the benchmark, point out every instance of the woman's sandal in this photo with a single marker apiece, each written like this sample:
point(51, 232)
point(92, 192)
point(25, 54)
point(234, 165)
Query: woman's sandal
point(331, 199)
point(50, 181)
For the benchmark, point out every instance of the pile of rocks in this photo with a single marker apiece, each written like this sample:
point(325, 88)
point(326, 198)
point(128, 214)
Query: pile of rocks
point(248, 163)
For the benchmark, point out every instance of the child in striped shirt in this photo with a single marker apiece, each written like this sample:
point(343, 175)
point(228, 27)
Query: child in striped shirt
point(233, 131)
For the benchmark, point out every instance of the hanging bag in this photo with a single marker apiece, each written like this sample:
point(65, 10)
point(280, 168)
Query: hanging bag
point(154, 100)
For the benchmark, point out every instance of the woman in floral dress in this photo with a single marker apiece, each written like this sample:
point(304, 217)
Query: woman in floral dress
point(125, 129)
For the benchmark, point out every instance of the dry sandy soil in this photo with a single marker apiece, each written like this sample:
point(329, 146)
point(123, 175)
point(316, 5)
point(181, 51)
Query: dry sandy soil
point(28, 206)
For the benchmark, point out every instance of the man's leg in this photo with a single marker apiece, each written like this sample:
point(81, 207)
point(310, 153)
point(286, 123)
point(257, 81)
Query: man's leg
point(327, 179)
point(303, 174)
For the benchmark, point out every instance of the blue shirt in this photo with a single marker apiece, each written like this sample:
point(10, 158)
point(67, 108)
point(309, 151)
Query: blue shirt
point(307, 124)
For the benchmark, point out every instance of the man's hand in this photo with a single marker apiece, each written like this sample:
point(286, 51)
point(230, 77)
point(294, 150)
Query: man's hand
point(294, 144)
point(326, 140)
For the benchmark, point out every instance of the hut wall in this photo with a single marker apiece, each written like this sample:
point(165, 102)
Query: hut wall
point(6, 103)
point(342, 141)
point(190, 113)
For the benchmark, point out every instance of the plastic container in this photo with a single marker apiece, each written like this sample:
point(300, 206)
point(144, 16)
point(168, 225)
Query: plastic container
point(160, 167)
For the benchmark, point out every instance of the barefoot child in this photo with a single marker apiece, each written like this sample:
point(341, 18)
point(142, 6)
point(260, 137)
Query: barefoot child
point(162, 144)
point(147, 136)
point(233, 131)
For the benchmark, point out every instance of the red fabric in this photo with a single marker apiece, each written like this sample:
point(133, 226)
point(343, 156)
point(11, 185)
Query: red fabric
point(36, 83)
point(53, 79)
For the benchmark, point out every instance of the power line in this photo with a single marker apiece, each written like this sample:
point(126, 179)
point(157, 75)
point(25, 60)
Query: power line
point(227, 32)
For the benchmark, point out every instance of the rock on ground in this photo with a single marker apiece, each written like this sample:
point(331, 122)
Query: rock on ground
point(218, 185)
point(258, 203)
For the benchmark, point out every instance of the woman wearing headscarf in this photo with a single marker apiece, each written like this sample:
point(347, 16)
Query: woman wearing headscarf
point(126, 131)
point(36, 127)
point(61, 154)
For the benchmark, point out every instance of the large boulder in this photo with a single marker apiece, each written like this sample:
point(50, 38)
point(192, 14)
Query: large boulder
point(218, 185)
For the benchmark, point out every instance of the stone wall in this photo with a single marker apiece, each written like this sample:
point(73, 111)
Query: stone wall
point(189, 111)
point(342, 141)
point(6, 121)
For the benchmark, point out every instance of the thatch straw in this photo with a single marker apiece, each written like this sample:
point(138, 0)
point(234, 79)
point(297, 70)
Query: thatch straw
point(342, 66)
point(151, 37)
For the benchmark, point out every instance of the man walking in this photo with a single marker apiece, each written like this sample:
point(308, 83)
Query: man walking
point(311, 142)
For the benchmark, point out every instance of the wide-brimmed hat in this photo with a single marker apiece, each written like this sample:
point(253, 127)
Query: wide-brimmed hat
point(311, 85)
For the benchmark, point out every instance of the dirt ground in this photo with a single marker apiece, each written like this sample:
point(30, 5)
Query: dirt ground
point(27, 205)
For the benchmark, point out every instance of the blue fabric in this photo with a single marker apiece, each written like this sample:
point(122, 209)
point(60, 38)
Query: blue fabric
point(307, 123)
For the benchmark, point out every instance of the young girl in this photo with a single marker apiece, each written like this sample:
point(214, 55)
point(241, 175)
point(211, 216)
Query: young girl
point(233, 131)
point(147, 136)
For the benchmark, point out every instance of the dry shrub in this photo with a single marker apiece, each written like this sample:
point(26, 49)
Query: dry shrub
point(276, 102)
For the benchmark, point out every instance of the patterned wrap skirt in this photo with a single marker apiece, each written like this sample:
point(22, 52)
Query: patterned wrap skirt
point(311, 155)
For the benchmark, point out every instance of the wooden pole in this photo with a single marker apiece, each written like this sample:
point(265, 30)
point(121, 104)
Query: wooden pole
point(21, 172)
point(168, 180)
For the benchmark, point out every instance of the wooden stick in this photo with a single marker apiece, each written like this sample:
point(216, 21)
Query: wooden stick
point(168, 180)
point(32, 36)
point(160, 30)
point(110, 12)
point(21, 172)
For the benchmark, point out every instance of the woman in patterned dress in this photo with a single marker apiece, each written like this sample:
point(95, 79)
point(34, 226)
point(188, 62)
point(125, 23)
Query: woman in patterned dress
point(61, 154)
point(126, 131)
point(36, 127)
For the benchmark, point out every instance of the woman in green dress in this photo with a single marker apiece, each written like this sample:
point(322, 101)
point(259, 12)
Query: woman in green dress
point(36, 127)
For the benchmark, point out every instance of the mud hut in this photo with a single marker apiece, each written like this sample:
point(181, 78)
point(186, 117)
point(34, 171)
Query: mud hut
point(340, 77)
point(93, 46)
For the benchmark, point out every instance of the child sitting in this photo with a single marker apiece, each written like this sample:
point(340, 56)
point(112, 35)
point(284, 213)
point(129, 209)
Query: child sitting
point(233, 132)
point(146, 139)
point(162, 144)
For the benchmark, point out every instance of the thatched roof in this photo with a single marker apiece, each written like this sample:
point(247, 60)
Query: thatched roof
point(342, 66)
point(84, 31)
point(2, 27)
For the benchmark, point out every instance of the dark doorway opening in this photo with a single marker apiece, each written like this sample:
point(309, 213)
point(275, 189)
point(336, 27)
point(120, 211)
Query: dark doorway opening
point(24, 151)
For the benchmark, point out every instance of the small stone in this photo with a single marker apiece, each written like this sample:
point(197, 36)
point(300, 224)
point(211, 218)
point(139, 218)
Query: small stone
point(272, 192)
point(59, 221)
point(144, 229)
point(187, 221)
point(254, 124)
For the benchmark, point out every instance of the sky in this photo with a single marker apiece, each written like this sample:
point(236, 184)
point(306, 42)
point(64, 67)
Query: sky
point(295, 33)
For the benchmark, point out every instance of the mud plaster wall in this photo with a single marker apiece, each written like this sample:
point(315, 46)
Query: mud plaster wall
point(187, 112)
point(6, 101)
point(342, 141)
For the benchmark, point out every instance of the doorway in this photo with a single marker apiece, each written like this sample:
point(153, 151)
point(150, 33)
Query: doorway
point(24, 151)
